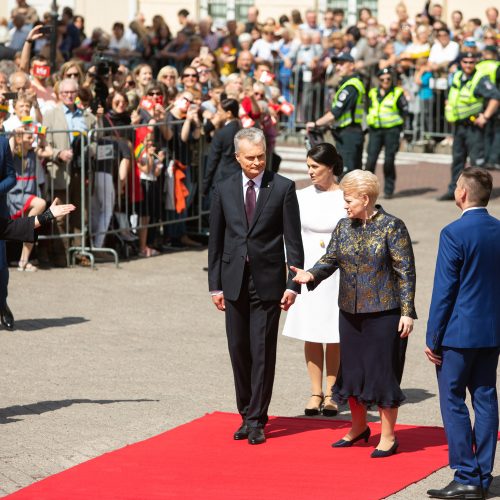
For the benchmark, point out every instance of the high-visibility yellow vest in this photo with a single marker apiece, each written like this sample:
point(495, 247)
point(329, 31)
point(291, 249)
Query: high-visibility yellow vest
point(488, 68)
point(461, 100)
point(385, 113)
point(346, 118)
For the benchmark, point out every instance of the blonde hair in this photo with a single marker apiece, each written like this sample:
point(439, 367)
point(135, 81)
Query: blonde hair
point(360, 182)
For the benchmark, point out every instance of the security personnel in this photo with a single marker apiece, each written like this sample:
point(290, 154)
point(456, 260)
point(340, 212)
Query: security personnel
point(346, 113)
point(386, 112)
point(466, 109)
point(490, 66)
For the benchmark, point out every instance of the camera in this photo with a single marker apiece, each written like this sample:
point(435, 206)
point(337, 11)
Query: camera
point(104, 66)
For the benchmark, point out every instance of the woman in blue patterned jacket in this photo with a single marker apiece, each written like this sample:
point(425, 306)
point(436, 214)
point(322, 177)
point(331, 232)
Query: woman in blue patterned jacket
point(373, 251)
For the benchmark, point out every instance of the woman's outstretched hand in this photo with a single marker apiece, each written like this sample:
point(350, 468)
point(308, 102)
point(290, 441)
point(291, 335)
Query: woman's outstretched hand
point(301, 276)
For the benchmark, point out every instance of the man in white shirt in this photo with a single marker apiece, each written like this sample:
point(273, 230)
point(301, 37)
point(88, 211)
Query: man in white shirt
point(443, 51)
point(120, 43)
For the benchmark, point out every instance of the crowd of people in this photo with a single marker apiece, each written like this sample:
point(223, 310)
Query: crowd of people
point(142, 125)
point(196, 88)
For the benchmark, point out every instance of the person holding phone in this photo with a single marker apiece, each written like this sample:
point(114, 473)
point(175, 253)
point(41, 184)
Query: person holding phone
point(463, 336)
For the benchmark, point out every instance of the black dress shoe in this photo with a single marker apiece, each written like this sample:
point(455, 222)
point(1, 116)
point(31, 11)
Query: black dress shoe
point(7, 318)
point(446, 197)
point(458, 490)
point(256, 436)
point(241, 433)
point(385, 453)
point(343, 443)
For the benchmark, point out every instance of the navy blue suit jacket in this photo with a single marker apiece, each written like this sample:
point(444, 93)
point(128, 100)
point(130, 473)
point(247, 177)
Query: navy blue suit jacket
point(465, 311)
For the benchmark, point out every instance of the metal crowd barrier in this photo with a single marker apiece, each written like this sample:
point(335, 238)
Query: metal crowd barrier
point(312, 99)
point(103, 182)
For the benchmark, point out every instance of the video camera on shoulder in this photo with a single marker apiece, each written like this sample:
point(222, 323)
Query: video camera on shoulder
point(104, 66)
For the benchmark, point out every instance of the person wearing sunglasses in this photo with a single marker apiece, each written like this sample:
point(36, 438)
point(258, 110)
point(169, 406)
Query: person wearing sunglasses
point(189, 82)
point(386, 113)
point(472, 102)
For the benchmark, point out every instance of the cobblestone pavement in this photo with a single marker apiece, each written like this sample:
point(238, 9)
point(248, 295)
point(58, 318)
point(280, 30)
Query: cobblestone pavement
point(101, 359)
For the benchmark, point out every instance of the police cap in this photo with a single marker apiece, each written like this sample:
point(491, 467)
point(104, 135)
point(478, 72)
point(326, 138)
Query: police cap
point(343, 57)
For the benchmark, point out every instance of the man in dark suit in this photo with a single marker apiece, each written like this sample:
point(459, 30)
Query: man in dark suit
point(252, 212)
point(221, 162)
point(463, 336)
point(7, 182)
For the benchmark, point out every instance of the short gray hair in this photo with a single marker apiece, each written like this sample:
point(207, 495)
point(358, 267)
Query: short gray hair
point(69, 82)
point(252, 134)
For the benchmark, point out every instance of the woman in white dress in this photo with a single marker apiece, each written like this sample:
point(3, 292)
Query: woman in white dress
point(314, 318)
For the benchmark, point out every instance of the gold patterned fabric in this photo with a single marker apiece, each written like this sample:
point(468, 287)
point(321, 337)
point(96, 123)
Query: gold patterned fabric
point(376, 263)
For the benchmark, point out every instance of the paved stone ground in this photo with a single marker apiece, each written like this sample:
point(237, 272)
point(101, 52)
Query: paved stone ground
point(101, 359)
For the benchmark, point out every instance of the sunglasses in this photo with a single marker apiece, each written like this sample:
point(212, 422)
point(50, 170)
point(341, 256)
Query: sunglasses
point(154, 92)
point(168, 76)
point(131, 83)
point(468, 62)
point(385, 79)
point(203, 71)
point(189, 75)
point(72, 75)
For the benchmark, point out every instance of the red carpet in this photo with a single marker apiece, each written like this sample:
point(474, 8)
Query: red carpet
point(201, 460)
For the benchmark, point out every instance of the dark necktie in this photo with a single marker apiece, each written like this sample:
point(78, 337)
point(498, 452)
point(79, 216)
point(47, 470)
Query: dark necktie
point(250, 201)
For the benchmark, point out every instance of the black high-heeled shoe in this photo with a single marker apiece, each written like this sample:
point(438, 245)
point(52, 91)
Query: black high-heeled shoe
point(385, 453)
point(310, 412)
point(343, 443)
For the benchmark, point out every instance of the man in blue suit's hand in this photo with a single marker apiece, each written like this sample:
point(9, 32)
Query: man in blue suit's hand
point(463, 336)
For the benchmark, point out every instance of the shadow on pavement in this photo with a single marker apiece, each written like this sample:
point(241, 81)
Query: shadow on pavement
point(416, 395)
point(414, 192)
point(7, 415)
point(495, 193)
point(31, 325)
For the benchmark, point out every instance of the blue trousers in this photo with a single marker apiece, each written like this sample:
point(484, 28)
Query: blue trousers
point(4, 275)
point(471, 449)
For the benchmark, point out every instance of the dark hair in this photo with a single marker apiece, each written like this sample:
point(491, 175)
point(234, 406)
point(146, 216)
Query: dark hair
point(231, 105)
point(67, 11)
point(354, 32)
point(338, 12)
point(109, 100)
point(479, 183)
point(183, 13)
point(283, 20)
point(296, 17)
point(366, 9)
point(326, 154)
point(119, 26)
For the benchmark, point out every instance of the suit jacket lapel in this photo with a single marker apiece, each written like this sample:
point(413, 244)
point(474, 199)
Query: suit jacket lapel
point(238, 195)
point(264, 193)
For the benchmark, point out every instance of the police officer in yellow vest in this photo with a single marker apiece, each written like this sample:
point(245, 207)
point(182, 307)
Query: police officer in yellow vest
point(490, 66)
point(466, 109)
point(386, 112)
point(346, 113)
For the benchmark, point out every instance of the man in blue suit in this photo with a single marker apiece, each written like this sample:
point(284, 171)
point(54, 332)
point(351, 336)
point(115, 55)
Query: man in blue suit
point(463, 336)
point(7, 182)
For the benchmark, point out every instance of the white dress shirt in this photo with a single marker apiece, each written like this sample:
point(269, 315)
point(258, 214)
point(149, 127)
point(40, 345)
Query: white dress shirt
point(257, 180)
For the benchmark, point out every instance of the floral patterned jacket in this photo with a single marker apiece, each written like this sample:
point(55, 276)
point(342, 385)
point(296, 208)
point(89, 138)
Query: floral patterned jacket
point(376, 262)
